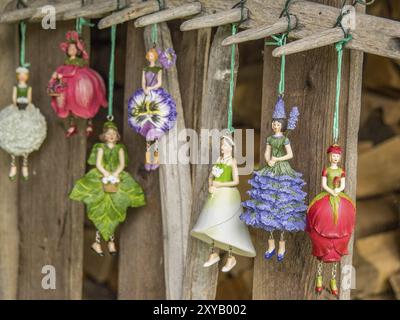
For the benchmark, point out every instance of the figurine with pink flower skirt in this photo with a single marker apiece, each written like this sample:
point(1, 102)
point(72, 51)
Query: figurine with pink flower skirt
point(151, 109)
point(75, 89)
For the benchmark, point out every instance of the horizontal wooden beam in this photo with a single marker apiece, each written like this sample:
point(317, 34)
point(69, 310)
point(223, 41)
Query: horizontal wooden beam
point(318, 40)
point(264, 31)
point(60, 9)
point(94, 10)
point(133, 12)
point(215, 20)
point(179, 12)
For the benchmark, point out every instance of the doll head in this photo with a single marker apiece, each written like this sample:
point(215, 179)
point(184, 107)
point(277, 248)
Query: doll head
point(74, 46)
point(22, 74)
point(152, 55)
point(227, 144)
point(335, 154)
point(110, 133)
point(278, 125)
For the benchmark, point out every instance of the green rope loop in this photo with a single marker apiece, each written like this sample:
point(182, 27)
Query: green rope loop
point(336, 125)
point(285, 13)
point(280, 41)
point(154, 34)
point(111, 74)
point(232, 83)
point(362, 2)
point(80, 23)
point(22, 30)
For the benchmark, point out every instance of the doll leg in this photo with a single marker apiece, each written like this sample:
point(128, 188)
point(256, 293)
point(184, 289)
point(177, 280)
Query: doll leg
point(89, 128)
point(96, 246)
point(73, 129)
point(213, 258)
point(271, 247)
point(333, 284)
point(111, 246)
point(282, 248)
point(318, 281)
point(25, 167)
point(148, 163)
point(230, 262)
point(13, 169)
point(156, 160)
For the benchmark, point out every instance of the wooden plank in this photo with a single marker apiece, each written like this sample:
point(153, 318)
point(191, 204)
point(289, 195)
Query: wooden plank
point(200, 282)
point(385, 155)
point(51, 225)
point(395, 284)
point(138, 248)
point(9, 233)
point(309, 87)
point(176, 204)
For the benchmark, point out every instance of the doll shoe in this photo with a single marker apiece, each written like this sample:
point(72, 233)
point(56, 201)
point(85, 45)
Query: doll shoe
point(318, 284)
point(11, 176)
point(25, 175)
point(96, 247)
point(230, 263)
point(334, 288)
point(72, 130)
point(280, 256)
point(268, 255)
point(89, 130)
point(111, 248)
point(212, 259)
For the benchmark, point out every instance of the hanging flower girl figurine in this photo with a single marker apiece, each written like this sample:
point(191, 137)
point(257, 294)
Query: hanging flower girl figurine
point(108, 190)
point(277, 199)
point(75, 89)
point(219, 224)
point(22, 127)
point(151, 109)
point(330, 219)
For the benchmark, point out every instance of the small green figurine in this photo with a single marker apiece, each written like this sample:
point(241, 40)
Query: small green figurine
point(108, 190)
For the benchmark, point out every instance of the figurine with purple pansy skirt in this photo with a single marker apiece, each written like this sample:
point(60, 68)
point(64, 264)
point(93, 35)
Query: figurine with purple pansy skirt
point(277, 199)
point(151, 109)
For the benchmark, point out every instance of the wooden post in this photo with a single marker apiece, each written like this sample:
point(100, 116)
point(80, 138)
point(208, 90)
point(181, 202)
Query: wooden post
point(175, 181)
point(141, 243)
point(310, 84)
point(200, 282)
point(9, 233)
point(51, 225)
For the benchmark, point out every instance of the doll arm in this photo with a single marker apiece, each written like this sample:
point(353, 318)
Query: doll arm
point(30, 95)
point(288, 156)
point(326, 188)
point(342, 185)
point(267, 154)
point(99, 164)
point(121, 165)
point(159, 82)
point(14, 96)
point(235, 175)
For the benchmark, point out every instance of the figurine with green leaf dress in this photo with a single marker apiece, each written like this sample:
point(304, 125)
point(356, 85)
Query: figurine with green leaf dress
point(107, 190)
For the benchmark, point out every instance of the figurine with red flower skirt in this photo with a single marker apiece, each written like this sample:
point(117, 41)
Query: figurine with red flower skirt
point(76, 89)
point(330, 219)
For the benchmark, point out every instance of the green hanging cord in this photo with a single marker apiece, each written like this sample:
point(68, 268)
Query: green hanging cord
point(111, 75)
point(232, 83)
point(22, 30)
point(336, 126)
point(80, 23)
point(154, 27)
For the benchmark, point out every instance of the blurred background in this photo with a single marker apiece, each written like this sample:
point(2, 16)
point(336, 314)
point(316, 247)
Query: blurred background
point(377, 245)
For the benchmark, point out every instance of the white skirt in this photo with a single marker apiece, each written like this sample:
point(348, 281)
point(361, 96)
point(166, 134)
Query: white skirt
point(22, 131)
point(219, 222)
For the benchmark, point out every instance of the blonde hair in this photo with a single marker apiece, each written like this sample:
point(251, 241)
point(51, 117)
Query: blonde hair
point(154, 52)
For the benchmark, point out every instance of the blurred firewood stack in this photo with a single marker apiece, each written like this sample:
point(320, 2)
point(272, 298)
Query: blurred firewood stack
point(377, 251)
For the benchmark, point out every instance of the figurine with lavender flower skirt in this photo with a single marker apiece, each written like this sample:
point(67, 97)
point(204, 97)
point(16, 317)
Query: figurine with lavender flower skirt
point(277, 199)
point(151, 109)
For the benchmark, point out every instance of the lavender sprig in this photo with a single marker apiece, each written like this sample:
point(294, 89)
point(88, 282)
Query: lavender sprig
point(293, 118)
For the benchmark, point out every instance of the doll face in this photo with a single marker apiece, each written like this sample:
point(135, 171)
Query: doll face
point(226, 148)
point(335, 158)
point(151, 57)
point(111, 136)
point(72, 50)
point(276, 126)
point(23, 77)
